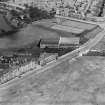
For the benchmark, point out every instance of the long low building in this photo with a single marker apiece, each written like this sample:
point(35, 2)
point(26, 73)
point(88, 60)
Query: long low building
point(62, 42)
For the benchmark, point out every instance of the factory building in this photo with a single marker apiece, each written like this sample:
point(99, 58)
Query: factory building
point(62, 42)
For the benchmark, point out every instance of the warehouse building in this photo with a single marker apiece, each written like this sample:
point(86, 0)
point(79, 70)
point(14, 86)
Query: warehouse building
point(62, 42)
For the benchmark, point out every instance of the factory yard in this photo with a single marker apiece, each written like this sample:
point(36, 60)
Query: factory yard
point(77, 82)
point(43, 29)
point(48, 38)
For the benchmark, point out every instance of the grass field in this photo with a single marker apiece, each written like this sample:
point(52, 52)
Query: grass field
point(81, 82)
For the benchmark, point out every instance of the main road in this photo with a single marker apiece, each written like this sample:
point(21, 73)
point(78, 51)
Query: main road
point(82, 49)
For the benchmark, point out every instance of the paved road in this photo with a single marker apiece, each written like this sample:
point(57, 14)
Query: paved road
point(101, 24)
point(65, 57)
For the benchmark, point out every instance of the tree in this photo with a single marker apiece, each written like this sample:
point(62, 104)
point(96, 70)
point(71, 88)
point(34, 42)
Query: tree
point(37, 14)
point(102, 8)
point(4, 0)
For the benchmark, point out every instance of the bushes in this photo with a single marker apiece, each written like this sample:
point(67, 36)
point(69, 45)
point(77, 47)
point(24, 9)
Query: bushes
point(37, 14)
point(83, 40)
point(20, 19)
point(96, 8)
point(14, 13)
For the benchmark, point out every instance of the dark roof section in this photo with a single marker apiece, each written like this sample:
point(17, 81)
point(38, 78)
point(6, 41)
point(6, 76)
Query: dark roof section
point(49, 41)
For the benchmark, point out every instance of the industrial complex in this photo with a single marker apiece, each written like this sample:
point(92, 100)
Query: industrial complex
point(40, 39)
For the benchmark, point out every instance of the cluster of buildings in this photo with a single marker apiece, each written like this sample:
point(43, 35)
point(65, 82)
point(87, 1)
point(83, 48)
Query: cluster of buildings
point(16, 72)
point(41, 4)
point(20, 69)
point(21, 65)
point(91, 7)
point(17, 65)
